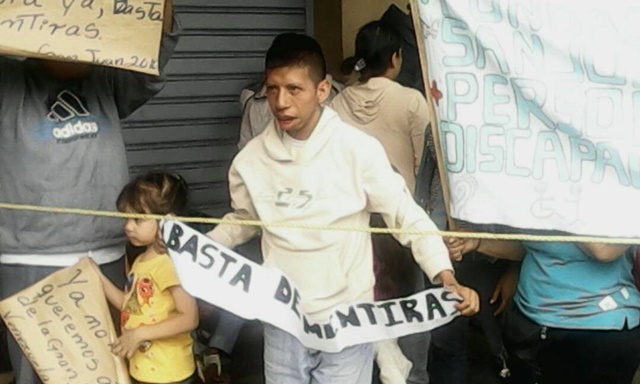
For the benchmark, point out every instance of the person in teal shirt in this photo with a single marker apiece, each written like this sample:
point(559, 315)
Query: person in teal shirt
point(578, 305)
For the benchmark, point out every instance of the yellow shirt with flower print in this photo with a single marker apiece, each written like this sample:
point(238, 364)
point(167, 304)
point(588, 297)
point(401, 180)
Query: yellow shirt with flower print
point(148, 300)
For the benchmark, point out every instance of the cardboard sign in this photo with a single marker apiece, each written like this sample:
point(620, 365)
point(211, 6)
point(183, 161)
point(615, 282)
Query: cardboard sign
point(117, 33)
point(64, 327)
point(538, 107)
point(219, 276)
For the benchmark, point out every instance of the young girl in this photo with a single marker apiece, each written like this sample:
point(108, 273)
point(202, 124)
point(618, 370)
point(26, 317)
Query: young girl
point(157, 314)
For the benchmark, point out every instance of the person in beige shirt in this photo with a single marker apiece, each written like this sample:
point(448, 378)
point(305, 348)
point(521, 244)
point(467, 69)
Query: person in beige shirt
point(395, 115)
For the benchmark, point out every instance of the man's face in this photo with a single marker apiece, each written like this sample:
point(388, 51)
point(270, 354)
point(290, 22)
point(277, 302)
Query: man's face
point(294, 98)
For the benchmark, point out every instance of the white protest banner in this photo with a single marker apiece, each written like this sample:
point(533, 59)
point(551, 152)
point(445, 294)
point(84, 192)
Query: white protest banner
point(219, 276)
point(118, 33)
point(538, 106)
point(64, 327)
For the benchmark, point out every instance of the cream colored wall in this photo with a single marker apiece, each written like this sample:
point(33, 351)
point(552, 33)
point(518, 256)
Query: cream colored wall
point(356, 13)
point(328, 31)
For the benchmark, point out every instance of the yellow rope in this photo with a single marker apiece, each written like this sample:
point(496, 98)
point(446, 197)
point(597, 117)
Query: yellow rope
point(258, 223)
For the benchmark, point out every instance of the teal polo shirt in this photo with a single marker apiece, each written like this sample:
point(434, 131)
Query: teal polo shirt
point(562, 287)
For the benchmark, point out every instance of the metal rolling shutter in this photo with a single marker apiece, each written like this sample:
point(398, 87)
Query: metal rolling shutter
point(192, 126)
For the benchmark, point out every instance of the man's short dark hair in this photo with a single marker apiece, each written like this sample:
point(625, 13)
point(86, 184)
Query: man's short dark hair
point(292, 49)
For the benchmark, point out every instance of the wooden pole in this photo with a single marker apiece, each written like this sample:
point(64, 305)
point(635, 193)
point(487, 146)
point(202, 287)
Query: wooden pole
point(424, 65)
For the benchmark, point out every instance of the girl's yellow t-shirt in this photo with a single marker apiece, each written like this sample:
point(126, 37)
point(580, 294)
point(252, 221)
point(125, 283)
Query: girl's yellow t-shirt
point(149, 301)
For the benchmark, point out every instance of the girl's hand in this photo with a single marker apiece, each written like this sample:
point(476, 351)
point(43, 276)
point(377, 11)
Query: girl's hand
point(128, 343)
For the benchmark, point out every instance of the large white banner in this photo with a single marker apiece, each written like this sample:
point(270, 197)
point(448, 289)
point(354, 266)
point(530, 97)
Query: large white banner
point(538, 106)
point(219, 276)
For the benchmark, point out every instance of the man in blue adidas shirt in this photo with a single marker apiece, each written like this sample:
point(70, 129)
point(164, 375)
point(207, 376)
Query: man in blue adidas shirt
point(61, 145)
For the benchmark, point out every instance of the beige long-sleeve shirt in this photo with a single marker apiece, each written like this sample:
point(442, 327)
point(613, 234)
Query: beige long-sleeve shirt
point(395, 115)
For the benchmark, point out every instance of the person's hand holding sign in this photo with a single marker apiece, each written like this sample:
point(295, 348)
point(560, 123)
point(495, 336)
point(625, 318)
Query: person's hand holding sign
point(128, 343)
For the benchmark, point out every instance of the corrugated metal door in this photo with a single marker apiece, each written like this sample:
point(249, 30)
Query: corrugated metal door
point(192, 126)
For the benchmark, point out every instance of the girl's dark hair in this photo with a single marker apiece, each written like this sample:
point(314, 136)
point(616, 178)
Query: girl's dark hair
point(348, 65)
point(376, 43)
point(157, 192)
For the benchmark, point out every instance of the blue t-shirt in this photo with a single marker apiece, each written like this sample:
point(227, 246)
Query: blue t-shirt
point(562, 287)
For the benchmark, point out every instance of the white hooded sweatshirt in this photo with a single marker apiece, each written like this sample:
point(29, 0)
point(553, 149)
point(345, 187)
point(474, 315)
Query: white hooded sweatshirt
point(339, 178)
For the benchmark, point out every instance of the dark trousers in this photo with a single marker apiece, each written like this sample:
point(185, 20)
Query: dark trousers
point(570, 356)
point(449, 358)
point(589, 357)
point(222, 328)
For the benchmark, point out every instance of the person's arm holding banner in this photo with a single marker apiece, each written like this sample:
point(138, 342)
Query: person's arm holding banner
point(184, 318)
point(232, 235)
point(388, 195)
point(513, 250)
point(502, 249)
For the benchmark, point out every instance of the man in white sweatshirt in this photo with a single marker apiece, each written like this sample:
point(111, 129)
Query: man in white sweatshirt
point(310, 167)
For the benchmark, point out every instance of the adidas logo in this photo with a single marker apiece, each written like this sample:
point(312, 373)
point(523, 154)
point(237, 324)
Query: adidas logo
point(79, 130)
point(69, 109)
